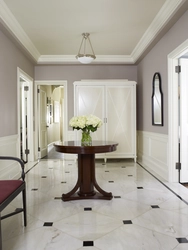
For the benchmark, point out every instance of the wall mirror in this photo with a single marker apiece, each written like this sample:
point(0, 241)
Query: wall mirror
point(157, 101)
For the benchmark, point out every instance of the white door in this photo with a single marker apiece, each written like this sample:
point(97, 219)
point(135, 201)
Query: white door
point(121, 119)
point(42, 112)
point(90, 100)
point(184, 120)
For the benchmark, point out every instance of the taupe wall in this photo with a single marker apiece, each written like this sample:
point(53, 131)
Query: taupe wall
point(156, 61)
point(10, 59)
point(78, 72)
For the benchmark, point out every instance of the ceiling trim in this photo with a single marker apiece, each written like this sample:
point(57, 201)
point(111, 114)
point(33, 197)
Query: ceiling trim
point(166, 12)
point(58, 59)
point(17, 31)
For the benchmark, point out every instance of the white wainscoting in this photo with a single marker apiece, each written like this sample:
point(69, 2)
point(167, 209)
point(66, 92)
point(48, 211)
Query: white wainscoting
point(9, 147)
point(152, 151)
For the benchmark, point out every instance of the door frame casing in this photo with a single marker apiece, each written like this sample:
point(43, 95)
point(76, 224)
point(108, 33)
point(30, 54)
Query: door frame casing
point(29, 80)
point(173, 126)
point(65, 117)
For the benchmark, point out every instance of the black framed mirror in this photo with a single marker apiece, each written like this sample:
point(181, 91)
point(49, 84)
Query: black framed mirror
point(157, 101)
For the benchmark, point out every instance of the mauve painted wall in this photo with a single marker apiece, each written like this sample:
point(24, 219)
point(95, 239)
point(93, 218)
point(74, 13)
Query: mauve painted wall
point(10, 59)
point(156, 61)
point(73, 73)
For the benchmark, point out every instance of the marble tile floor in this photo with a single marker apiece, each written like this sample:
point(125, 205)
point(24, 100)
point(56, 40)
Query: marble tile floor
point(144, 214)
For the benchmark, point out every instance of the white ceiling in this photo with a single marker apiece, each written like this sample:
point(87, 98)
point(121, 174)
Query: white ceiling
point(120, 30)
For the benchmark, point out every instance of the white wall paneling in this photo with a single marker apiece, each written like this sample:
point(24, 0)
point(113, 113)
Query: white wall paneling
point(153, 152)
point(9, 147)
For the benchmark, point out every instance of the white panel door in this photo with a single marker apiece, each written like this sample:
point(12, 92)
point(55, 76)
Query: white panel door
point(121, 122)
point(184, 120)
point(90, 100)
point(42, 124)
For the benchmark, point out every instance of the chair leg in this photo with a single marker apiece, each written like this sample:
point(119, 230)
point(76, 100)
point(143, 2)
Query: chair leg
point(24, 207)
point(1, 246)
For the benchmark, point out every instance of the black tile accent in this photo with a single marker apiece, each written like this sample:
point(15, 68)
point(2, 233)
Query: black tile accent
point(67, 172)
point(57, 198)
point(140, 188)
point(123, 167)
point(63, 182)
point(34, 189)
point(43, 176)
point(104, 164)
point(130, 175)
point(117, 196)
point(127, 222)
point(107, 171)
point(87, 208)
point(88, 243)
point(155, 206)
point(182, 240)
point(47, 224)
point(111, 181)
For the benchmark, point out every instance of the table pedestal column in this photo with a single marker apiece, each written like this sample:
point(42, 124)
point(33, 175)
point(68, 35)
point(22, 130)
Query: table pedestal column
point(86, 181)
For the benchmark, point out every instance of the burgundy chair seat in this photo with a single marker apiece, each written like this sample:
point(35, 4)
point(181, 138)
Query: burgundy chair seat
point(9, 190)
point(7, 187)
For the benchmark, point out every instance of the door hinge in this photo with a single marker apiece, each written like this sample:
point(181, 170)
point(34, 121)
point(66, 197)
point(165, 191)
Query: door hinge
point(26, 88)
point(178, 69)
point(38, 90)
point(178, 165)
point(39, 149)
point(27, 151)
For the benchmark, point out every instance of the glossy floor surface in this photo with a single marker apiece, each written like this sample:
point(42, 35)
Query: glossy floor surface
point(144, 213)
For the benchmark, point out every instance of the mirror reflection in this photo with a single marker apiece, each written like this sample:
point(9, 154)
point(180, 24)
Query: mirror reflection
point(157, 101)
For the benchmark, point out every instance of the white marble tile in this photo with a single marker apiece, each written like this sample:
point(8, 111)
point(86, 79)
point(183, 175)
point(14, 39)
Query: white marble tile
point(133, 237)
point(164, 221)
point(88, 225)
point(47, 238)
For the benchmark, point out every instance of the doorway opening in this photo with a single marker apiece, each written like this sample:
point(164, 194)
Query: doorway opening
point(174, 127)
point(25, 116)
point(51, 115)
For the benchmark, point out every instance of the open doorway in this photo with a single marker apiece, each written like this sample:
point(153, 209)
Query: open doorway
point(51, 115)
point(25, 116)
point(174, 111)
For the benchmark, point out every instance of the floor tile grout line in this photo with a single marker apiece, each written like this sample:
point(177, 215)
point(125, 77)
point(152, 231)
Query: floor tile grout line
point(163, 184)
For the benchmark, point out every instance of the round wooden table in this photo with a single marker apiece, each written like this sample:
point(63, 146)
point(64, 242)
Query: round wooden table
point(86, 183)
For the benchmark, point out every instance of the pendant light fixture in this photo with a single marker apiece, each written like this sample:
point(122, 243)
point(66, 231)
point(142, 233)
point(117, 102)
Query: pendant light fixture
point(82, 56)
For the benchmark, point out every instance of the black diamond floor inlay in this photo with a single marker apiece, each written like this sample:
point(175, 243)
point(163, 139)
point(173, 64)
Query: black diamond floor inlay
point(63, 182)
point(127, 222)
point(117, 196)
point(155, 206)
point(58, 198)
point(139, 187)
point(182, 240)
point(87, 208)
point(111, 181)
point(43, 176)
point(88, 243)
point(34, 189)
point(47, 224)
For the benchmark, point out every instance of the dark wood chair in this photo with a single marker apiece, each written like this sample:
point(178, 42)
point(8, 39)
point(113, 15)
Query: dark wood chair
point(9, 189)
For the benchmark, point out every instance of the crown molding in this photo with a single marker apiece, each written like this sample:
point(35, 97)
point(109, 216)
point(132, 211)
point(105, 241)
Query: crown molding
point(166, 12)
point(14, 27)
point(67, 59)
point(168, 9)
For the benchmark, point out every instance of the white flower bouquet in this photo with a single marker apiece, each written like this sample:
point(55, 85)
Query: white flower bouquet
point(85, 123)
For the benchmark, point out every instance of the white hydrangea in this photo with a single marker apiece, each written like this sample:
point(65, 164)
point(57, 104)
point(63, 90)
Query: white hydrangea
point(90, 122)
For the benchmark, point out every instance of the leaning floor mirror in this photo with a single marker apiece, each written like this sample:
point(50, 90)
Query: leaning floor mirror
point(157, 101)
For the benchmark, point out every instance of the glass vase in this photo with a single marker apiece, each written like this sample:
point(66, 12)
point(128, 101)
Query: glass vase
point(86, 138)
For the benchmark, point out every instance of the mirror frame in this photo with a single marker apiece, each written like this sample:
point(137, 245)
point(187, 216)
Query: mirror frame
point(157, 75)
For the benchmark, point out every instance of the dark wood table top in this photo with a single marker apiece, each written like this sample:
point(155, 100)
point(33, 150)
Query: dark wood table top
point(75, 147)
